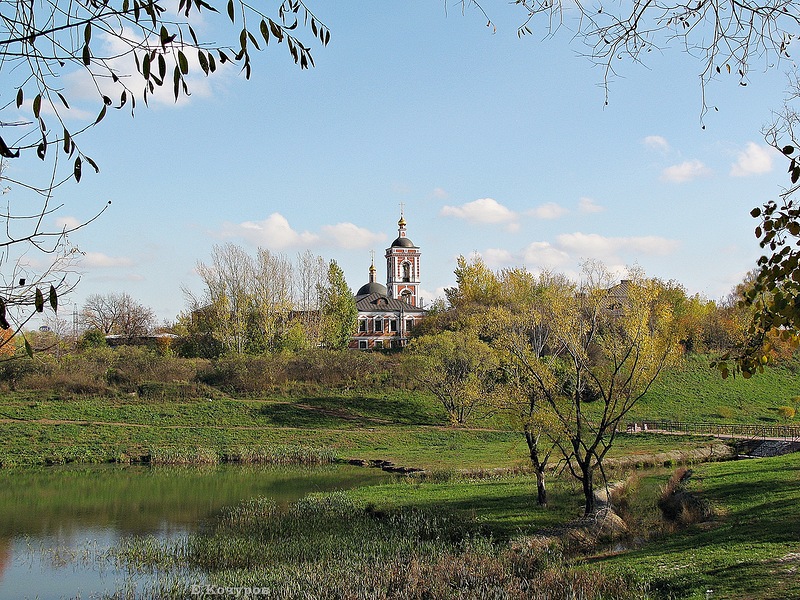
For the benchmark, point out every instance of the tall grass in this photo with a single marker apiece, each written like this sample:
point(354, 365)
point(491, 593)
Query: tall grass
point(328, 546)
point(266, 455)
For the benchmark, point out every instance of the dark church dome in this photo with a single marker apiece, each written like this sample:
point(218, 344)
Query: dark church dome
point(402, 242)
point(373, 287)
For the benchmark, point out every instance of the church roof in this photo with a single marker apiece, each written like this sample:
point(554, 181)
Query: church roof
point(373, 287)
point(403, 242)
point(382, 302)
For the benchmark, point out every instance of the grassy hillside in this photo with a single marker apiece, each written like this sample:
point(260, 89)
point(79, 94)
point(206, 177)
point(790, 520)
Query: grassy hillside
point(694, 391)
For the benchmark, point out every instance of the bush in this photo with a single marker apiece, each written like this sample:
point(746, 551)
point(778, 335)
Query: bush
point(679, 506)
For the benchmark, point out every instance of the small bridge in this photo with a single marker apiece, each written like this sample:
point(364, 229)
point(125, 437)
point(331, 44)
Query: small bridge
point(778, 433)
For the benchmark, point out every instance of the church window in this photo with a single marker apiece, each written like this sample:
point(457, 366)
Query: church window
point(406, 272)
point(393, 325)
point(362, 344)
point(378, 344)
point(379, 324)
point(409, 324)
point(362, 326)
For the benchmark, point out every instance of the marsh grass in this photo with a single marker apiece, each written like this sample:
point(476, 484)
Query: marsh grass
point(333, 546)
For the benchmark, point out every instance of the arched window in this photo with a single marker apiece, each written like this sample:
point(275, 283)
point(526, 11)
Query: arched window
point(406, 296)
point(406, 271)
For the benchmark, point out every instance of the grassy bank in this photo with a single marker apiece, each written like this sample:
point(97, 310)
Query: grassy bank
point(404, 427)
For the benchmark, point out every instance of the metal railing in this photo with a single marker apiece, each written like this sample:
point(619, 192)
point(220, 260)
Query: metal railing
point(750, 432)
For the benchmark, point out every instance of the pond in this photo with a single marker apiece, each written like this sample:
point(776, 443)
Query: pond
point(57, 523)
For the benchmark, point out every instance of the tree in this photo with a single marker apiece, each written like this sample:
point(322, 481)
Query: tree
point(454, 366)
point(117, 314)
point(253, 304)
point(589, 352)
point(725, 36)
point(127, 50)
point(338, 308)
point(517, 329)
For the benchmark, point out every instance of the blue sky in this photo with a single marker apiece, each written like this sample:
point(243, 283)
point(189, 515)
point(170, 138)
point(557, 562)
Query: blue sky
point(494, 144)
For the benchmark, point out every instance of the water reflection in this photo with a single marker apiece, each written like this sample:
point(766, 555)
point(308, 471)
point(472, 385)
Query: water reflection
point(57, 522)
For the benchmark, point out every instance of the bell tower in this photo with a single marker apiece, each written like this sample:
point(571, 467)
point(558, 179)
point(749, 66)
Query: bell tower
point(403, 268)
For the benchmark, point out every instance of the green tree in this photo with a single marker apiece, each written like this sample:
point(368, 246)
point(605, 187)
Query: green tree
point(338, 307)
point(456, 367)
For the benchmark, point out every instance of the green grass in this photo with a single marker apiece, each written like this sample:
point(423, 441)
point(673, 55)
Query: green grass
point(749, 551)
point(695, 392)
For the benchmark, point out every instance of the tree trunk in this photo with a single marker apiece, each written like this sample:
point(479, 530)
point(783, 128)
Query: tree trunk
point(538, 467)
point(541, 490)
point(587, 479)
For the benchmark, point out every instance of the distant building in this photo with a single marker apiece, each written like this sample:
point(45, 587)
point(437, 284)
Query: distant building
point(388, 313)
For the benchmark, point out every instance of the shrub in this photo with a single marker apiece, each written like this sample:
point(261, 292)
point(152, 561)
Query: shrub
point(679, 506)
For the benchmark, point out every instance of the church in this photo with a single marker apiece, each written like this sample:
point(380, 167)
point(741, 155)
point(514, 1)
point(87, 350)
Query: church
point(388, 313)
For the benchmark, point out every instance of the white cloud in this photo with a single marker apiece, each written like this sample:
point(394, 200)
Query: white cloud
point(589, 206)
point(544, 255)
point(686, 171)
point(98, 260)
point(67, 223)
point(484, 210)
point(276, 233)
point(440, 193)
point(550, 210)
point(497, 257)
point(348, 235)
point(656, 142)
point(609, 249)
point(754, 160)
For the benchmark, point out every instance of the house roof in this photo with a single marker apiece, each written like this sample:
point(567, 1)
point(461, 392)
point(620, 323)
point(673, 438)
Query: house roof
point(375, 302)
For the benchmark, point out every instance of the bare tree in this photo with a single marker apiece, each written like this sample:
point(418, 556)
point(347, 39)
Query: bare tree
point(117, 314)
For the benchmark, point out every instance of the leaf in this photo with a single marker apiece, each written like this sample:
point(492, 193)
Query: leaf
point(67, 142)
point(146, 66)
point(19, 97)
point(87, 33)
point(53, 299)
point(183, 63)
point(201, 58)
point(162, 66)
point(230, 10)
point(176, 79)
point(787, 150)
point(101, 115)
point(755, 213)
point(87, 56)
point(4, 324)
point(7, 152)
point(28, 349)
point(264, 31)
point(37, 105)
point(41, 150)
point(92, 163)
point(795, 174)
point(77, 169)
point(39, 300)
point(63, 100)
